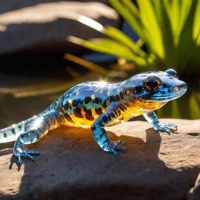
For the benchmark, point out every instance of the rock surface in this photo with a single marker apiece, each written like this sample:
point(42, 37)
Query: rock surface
point(44, 27)
point(72, 166)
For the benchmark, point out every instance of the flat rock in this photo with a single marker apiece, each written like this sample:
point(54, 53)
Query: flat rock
point(44, 27)
point(72, 165)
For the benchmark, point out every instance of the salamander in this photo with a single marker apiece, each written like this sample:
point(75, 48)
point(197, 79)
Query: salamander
point(98, 104)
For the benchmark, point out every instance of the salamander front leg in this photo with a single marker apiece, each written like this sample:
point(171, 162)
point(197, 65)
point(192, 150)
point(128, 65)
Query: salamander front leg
point(100, 134)
point(153, 120)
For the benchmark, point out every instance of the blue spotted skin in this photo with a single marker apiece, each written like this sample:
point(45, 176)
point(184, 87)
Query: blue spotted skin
point(97, 105)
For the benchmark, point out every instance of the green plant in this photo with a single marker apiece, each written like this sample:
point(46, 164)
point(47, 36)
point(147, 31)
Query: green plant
point(170, 30)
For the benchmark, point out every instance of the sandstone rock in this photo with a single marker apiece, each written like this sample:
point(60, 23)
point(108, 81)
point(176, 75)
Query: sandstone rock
point(44, 27)
point(72, 166)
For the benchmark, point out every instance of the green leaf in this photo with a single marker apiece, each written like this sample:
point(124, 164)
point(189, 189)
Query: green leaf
point(131, 18)
point(151, 27)
point(121, 37)
point(194, 103)
point(186, 44)
point(114, 48)
point(169, 29)
point(196, 29)
point(168, 38)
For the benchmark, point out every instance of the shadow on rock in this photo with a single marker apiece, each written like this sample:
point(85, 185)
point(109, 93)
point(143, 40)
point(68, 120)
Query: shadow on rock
point(193, 134)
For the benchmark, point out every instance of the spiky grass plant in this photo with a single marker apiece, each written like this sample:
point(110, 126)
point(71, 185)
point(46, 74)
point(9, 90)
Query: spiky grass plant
point(170, 30)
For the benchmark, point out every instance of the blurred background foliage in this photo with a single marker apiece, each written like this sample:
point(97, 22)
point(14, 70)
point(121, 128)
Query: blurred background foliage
point(169, 30)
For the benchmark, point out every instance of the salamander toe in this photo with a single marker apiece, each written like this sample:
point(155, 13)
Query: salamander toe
point(115, 145)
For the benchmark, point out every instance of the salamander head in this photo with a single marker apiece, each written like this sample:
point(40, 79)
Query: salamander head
point(157, 86)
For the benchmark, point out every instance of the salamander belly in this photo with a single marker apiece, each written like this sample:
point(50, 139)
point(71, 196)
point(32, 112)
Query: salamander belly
point(87, 119)
point(77, 122)
point(81, 118)
point(84, 118)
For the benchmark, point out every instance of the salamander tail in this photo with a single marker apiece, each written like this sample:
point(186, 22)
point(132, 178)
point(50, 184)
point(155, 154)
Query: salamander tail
point(11, 133)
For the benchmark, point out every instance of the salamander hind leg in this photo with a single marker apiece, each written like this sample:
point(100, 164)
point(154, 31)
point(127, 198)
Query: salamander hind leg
point(26, 138)
point(100, 134)
point(34, 130)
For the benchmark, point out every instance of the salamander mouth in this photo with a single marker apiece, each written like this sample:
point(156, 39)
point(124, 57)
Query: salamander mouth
point(162, 98)
point(167, 98)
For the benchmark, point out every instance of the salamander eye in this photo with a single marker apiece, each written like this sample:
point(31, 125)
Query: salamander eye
point(172, 72)
point(151, 84)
